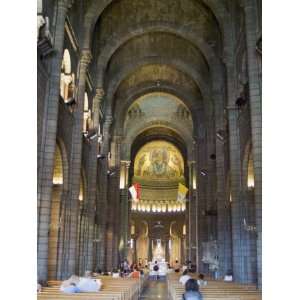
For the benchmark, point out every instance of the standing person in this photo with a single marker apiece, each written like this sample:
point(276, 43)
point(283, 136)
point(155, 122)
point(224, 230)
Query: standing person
point(135, 274)
point(126, 266)
point(155, 270)
point(192, 290)
point(176, 266)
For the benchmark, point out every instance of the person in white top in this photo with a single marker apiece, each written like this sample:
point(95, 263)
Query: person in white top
point(69, 286)
point(228, 276)
point(88, 284)
point(115, 274)
point(201, 282)
point(184, 277)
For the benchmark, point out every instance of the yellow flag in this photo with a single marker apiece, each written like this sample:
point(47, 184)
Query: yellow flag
point(182, 190)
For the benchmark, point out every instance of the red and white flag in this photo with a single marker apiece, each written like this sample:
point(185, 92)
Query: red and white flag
point(135, 191)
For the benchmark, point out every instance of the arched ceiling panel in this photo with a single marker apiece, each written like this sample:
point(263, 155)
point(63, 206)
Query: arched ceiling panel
point(158, 45)
point(190, 14)
point(156, 74)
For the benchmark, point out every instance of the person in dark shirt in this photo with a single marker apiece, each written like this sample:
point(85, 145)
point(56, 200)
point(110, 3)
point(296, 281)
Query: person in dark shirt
point(192, 290)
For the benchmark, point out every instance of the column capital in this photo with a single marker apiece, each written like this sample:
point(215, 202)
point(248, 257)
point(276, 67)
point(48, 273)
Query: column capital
point(191, 162)
point(65, 4)
point(126, 163)
point(99, 93)
point(85, 56)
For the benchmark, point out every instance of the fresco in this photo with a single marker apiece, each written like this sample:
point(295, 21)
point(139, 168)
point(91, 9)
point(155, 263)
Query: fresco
point(159, 160)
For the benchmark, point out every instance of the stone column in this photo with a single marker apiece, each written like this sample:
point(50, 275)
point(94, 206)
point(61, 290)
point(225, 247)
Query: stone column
point(201, 191)
point(150, 250)
point(193, 217)
point(48, 142)
point(92, 171)
point(167, 254)
point(236, 205)
point(222, 196)
point(124, 224)
point(103, 183)
point(256, 112)
point(75, 165)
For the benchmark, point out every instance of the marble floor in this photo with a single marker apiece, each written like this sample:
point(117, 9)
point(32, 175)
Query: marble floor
point(155, 289)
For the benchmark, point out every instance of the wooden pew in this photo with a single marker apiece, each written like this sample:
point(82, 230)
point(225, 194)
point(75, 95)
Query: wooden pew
point(217, 290)
point(112, 289)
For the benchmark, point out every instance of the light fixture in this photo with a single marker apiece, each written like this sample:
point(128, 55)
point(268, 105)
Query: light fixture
point(203, 172)
point(110, 173)
point(101, 156)
point(221, 135)
point(70, 101)
point(90, 134)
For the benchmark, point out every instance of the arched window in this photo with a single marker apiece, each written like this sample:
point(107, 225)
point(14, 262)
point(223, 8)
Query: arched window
point(67, 78)
point(58, 168)
point(250, 175)
point(87, 115)
point(81, 190)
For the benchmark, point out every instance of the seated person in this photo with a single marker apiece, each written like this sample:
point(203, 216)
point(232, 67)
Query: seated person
point(115, 273)
point(228, 277)
point(193, 268)
point(184, 277)
point(201, 281)
point(97, 272)
point(105, 273)
point(135, 273)
point(88, 284)
point(176, 266)
point(69, 286)
point(192, 290)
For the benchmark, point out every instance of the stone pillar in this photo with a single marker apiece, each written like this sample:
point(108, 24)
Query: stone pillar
point(75, 165)
point(104, 217)
point(201, 191)
point(167, 254)
point(236, 205)
point(256, 111)
point(124, 224)
point(48, 143)
point(193, 217)
point(150, 250)
point(222, 196)
point(92, 183)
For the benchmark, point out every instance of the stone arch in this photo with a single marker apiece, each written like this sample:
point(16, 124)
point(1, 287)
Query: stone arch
point(129, 71)
point(195, 76)
point(118, 41)
point(192, 103)
point(97, 7)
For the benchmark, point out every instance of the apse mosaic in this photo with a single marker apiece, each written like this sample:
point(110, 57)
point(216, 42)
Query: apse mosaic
point(159, 160)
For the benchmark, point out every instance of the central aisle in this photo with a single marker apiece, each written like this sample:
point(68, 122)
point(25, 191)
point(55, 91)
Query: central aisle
point(155, 289)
